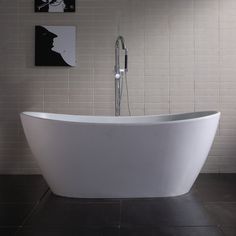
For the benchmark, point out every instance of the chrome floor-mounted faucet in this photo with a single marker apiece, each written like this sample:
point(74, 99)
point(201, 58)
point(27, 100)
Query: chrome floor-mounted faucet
point(119, 72)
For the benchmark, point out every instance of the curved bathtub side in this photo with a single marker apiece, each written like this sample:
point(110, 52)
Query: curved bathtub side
point(119, 161)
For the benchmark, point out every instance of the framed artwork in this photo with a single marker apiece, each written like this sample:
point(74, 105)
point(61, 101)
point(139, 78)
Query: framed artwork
point(55, 45)
point(54, 5)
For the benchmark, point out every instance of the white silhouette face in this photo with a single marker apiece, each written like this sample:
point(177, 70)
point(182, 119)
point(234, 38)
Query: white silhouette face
point(54, 6)
point(57, 6)
point(64, 43)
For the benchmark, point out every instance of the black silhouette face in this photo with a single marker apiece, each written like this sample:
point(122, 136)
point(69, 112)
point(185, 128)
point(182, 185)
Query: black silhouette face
point(44, 55)
point(45, 37)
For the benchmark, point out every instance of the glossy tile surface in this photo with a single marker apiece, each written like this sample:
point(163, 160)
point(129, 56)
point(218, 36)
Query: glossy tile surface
point(21, 189)
point(7, 231)
point(28, 208)
point(172, 231)
point(55, 212)
point(229, 231)
point(224, 213)
point(13, 215)
point(69, 232)
point(215, 188)
point(177, 211)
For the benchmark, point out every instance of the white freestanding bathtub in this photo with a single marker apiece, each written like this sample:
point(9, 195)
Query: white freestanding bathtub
point(120, 157)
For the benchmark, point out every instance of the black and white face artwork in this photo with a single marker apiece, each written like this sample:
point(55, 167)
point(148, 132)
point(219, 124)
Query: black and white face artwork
point(55, 45)
point(54, 5)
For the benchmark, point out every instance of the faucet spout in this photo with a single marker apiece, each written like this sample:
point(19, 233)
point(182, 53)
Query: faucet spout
point(120, 39)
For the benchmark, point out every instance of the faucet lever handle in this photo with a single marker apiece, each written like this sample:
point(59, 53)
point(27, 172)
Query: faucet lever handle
point(126, 60)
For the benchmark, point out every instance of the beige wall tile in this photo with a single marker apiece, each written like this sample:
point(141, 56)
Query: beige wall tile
point(182, 57)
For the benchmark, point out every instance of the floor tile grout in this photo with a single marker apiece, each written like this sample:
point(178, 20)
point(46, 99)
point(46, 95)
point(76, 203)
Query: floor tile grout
point(32, 211)
point(215, 197)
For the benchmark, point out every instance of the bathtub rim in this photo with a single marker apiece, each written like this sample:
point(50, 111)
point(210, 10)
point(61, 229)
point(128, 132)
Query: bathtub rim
point(210, 113)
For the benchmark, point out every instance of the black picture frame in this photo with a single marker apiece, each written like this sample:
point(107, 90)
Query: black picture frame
point(55, 46)
point(54, 6)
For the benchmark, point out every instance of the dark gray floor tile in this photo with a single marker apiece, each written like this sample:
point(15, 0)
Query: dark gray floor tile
point(7, 231)
point(171, 231)
point(178, 211)
point(214, 180)
point(65, 200)
point(22, 194)
point(68, 232)
point(207, 180)
point(228, 178)
point(21, 180)
point(14, 214)
point(215, 188)
point(62, 216)
point(71, 213)
point(229, 231)
point(223, 213)
point(225, 193)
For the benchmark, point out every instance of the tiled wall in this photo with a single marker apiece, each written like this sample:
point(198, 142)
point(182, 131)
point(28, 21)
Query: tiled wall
point(182, 57)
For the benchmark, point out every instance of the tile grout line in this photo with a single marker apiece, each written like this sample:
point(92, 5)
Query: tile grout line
point(169, 59)
point(92, 70)
point(144, 61)
point(219, 58)
point(18, 46)
point(219, 74)
point(31, 212)
point(194, 56)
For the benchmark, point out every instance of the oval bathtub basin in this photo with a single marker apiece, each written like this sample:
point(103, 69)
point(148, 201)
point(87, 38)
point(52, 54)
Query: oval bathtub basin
point(120, 157)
